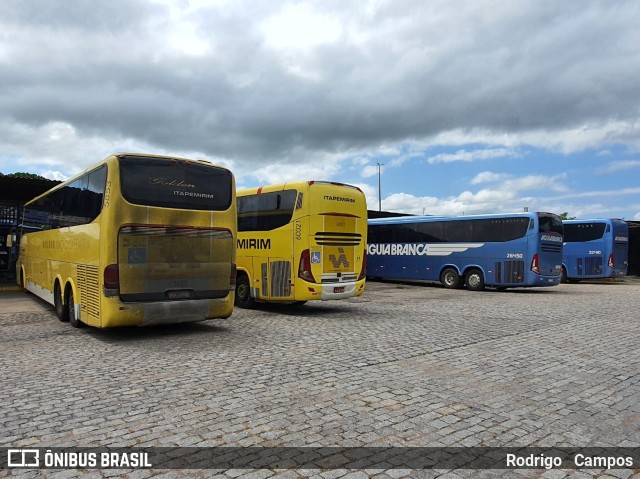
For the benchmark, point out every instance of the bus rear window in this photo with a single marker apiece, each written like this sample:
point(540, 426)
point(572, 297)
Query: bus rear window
point(550, 223)
point(173, 183)
point(580, 232)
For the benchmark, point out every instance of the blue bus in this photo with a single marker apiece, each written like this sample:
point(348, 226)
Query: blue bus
point(501, 250)
point(595, 248)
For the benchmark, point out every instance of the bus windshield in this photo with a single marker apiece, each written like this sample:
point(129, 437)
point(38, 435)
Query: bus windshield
point(176, 184)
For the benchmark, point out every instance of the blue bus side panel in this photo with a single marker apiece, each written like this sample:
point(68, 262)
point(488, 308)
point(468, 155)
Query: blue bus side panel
point(502, 264)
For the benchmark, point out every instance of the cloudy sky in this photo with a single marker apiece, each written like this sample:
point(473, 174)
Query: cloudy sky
point(469, 107)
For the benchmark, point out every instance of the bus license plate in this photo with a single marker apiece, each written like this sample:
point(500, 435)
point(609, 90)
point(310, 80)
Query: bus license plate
point(179, 294)
point(338, 289)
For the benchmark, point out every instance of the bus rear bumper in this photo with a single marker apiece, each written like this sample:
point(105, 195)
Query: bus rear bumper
point(170, 312)
point(540, 280)
point(341, 290)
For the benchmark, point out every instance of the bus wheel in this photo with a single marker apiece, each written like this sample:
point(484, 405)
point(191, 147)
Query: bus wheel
point(243, 292)
point(450, 278)
point(563, 275)
point(71, 311)
point(23, 281)
point(474, 280)
point(61, 311)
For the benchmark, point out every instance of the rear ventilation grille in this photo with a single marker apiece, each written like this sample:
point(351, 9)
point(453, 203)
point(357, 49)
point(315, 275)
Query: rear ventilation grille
point(509, 272)
point(328, 238)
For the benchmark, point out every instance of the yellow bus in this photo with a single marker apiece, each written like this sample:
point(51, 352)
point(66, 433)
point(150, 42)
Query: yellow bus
point(134, 240)
point(300, 241)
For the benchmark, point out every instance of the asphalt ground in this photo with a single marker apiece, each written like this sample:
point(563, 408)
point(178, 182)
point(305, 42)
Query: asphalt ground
point(403, 366)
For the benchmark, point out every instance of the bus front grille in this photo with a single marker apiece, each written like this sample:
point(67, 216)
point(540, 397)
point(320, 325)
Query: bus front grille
point(328, 238)
point(513, 272)
point(89, 286)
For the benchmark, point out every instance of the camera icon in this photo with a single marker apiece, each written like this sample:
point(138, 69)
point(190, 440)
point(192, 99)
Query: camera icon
point(23, 458)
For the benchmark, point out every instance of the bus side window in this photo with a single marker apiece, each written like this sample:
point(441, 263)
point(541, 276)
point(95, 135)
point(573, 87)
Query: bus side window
point(93, 195)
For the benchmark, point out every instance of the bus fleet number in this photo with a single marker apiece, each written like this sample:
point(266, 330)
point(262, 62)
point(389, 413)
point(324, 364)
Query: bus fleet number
point(595, 252)
point(298, 230)
point(515, 255)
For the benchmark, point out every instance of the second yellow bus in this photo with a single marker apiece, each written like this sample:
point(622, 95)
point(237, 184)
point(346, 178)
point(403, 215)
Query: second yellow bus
point(300, 241)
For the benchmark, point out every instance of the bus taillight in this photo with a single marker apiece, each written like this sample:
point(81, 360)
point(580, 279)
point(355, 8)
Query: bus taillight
point(363, 270)
point(535, 266)
point(304, 270)
point(612, 262)
point(111, 280)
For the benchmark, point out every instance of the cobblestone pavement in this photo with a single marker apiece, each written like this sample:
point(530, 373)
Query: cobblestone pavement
point(403, 365)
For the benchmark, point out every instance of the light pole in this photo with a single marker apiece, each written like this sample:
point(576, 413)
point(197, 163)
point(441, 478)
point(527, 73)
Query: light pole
point(379, 190)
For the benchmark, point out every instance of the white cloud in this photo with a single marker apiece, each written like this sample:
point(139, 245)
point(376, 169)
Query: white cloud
point(58, 151)
point(600, 193)
point(300, 27)
point(617, 166)
point(370, 170)
point(506, 196)
point(464, 155)
point(489, 177)
point(54, 175)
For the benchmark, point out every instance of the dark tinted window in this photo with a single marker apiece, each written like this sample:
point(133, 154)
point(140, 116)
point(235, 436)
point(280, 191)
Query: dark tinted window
point(578, 233)
point(458, 231)
point(500, 229)
point(404, 233)
point(432, 232)
point(173, 183)
point(379, 234)
point(265, 211)
point(76, 203)
point(550, 223)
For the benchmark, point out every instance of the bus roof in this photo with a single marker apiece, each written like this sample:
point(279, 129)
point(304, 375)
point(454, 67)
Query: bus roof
point(594, 220)
point(426, 219)
point(111, 158)
point(292, 185)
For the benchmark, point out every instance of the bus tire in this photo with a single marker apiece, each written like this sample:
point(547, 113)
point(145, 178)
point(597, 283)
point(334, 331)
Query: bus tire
point(474, 280)
point(243, 292)
point(71, 310)
point(61, 311)
point(563, 275)
point(450, 278)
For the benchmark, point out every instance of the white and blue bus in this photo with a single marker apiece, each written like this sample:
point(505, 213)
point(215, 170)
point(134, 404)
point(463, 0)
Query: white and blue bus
point(501, 250)
point(595, 248)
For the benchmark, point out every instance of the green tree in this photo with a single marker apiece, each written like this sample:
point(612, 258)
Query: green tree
point(565, 216)
point(30, 176)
